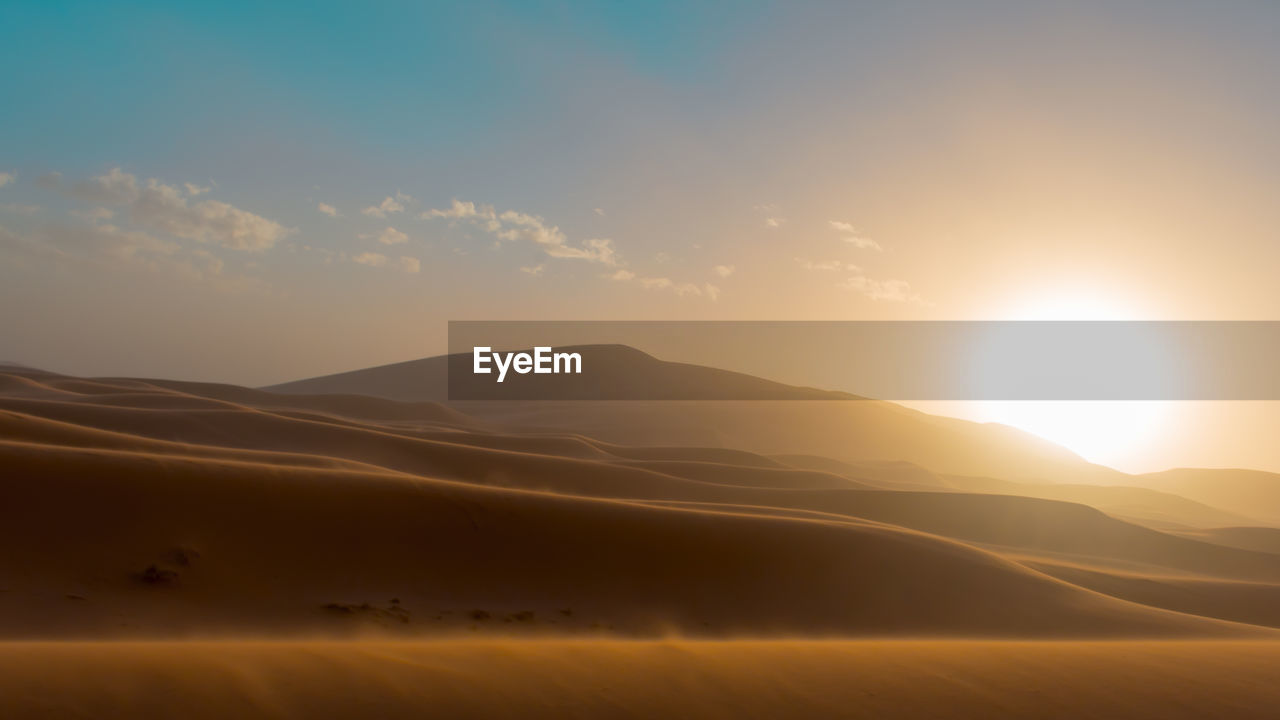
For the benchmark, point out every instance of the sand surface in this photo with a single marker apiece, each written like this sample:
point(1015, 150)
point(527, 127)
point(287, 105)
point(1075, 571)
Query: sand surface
point(615, 679)
point(390, 559)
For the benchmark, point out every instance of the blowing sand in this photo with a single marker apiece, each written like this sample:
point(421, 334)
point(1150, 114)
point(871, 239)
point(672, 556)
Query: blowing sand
point(623, 679)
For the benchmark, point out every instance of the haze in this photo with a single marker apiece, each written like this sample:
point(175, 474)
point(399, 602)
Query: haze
point(255, 196)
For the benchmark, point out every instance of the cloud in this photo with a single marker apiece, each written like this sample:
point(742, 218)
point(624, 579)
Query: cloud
point(824, 265)
point(723, 271)
point(371, 259)
point(599, 211)
point(654, 283)
point(122, 243)
point(49, 181)
point(459, 210)
point(326, 209)
point(104, 247)
point(213, 265)
point(514, 226)
point(882, 290)
point(94, 214)
point(193, 189)
point(17, 209)
point(392, 236)
point(598, 250)
point(408, 264)
point(388, 205)
point(665, 283)
point(863, 243)
point(8, 177)
point(535, 270)
point(854, 237)
point(774, 222)
point(116, 187)
point(162, 207)
point(110, 245)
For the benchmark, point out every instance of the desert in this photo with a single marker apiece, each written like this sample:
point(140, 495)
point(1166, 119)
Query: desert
point(283, 554)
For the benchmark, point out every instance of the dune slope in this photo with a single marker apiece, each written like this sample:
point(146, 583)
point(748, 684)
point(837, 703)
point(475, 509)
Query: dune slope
point(602, 678)
point(158, 509)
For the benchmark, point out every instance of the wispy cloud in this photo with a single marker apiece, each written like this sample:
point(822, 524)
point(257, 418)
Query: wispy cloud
point(859, 281)
point(772, 214)
point(723, 271)
point(853, 237)
point(371, 259)
point(654, 283)
point(863, 243)
point(107, 245)
point(18, 209)
point(405, 263)
point(389, 236)
point(664, 283)
point(165, 208)
point(827, 265)
point(49, 181)
point(327, 209)
point(882, 290)
point(534, 270)
point(512, 226)
point(7, 177)
point(389, 204)
point(95, 214)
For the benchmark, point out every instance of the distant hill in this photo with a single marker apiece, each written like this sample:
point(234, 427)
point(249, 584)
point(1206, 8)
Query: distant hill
point(847, 429)
point(609, 372)
point(1254, 493)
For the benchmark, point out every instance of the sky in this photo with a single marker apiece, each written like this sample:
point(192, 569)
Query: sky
point(249, 194)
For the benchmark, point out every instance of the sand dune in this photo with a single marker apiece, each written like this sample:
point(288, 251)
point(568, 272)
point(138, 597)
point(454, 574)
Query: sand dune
point(842, 428)
point(255, 546)
point(148, 508)
point(1149, 506)
point(611, 679)
point(337, 556)
point(1262, 539)
point(1256, 603)
point(1018, 522)
point(1252, 493)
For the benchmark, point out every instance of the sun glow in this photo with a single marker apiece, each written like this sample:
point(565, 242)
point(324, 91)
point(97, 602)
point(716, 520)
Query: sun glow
point(1122, 434)
point(1115, 433)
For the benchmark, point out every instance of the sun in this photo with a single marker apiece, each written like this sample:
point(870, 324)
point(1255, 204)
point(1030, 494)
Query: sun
point(1115, 433)
point(1121, 434)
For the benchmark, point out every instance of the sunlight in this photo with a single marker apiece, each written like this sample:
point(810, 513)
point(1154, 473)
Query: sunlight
point(1115, 433)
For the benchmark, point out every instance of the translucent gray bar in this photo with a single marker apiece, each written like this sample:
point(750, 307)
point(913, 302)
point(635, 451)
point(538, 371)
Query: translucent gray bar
point(979, 360)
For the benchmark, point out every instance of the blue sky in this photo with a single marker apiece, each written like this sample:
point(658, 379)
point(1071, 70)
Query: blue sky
point(394, 80)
